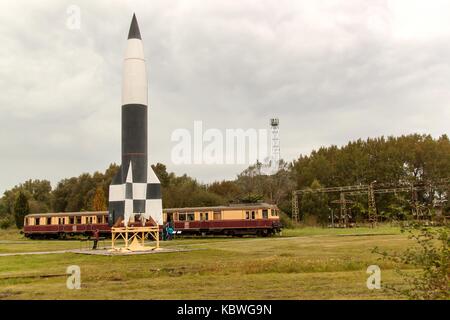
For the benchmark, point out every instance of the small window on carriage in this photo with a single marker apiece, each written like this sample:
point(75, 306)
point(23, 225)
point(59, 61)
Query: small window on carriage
point(247, 215)
point(71, 220)
point(253, 214)
point(182, 217)
point(206, 215)
point(190, 217)
point(49, 221)
point(36, 221)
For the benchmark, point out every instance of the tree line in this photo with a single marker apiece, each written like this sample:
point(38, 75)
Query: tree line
point(408, 158)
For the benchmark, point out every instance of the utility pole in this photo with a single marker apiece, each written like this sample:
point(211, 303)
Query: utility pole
point(294, 206)
point(372, 207)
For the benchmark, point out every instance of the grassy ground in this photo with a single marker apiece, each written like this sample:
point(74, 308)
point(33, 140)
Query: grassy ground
point(308, 263)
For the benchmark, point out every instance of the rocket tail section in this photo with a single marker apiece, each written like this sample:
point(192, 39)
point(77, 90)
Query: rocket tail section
point(129, 199)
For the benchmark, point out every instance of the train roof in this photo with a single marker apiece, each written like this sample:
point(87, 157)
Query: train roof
point(238, 206)
point(65, 214)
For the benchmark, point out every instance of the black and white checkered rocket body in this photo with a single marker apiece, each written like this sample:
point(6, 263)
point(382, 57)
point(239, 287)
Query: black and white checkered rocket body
point(135, 191)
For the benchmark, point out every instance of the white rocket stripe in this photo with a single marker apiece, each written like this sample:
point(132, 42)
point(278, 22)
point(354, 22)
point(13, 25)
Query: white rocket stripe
point(135, 49)
point(139, 191)
point(153, 208)
point(134, 85)
point(116, 192)
point(128, 211)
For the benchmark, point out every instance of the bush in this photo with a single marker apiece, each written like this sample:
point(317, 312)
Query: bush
point(6, 222)
point(286, 221)
point(431, 255)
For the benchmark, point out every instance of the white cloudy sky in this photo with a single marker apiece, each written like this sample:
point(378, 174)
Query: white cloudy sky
point(330, 70)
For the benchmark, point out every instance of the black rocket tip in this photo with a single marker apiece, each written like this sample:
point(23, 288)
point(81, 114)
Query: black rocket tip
point(134, 29)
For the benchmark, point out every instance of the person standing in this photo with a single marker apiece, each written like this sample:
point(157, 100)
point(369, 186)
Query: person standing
point(96, 237)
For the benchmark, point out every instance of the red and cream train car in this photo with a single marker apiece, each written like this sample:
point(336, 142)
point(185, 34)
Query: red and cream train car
point(260, 219)
point(235, 220)
point(65, 224)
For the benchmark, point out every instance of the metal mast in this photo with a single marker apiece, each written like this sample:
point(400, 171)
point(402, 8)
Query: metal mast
point(275, 143)
point(372, 207)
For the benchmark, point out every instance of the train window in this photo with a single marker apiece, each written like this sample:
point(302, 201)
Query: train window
point(190, 217)
point(181, 216)
point(77, 220)
point(203, 216)
point(217, 215)
point(49, 220)
point(71, 220)
point(36, 221)
point(106, 219)
point(247, 215)
point(265, 214)
point(253, 214)
point(60, 220)
point(99, 219)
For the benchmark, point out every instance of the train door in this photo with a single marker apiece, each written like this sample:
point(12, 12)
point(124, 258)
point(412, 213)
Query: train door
point(169, 218)
point(61, 224)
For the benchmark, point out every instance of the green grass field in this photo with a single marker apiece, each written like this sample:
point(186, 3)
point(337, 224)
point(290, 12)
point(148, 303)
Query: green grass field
point(306, 263)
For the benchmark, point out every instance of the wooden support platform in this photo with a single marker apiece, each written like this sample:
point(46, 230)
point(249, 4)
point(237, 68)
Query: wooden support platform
point(134, 238)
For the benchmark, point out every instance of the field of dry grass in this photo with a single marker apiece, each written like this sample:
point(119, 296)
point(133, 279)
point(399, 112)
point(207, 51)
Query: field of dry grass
point(309, 263)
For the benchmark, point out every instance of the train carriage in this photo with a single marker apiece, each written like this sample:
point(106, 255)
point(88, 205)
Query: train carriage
point(261, 219)
point(235, 220)
point(65, 224)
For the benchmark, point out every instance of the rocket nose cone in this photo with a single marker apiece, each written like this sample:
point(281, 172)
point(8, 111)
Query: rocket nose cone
point(134, 32)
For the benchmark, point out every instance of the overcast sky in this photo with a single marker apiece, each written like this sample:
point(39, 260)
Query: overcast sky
point(331, 71)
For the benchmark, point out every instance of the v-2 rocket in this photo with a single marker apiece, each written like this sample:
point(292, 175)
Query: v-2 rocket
point(135, 192)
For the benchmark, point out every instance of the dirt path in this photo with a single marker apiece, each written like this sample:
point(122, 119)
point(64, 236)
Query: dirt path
point(34, 252)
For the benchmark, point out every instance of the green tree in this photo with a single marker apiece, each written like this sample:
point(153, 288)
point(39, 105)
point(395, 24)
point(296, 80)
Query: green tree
point(21, 209)
point(99, 201)
point(162, 174)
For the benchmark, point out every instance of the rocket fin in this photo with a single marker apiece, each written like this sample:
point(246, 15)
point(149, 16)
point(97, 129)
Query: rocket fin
point(153, 202)
point(151, 176)
point(130, 174)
